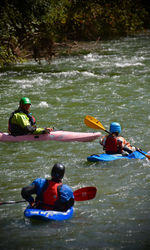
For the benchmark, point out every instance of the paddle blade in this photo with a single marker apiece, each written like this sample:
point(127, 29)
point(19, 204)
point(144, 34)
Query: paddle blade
point(85, 193)
point(92, 122)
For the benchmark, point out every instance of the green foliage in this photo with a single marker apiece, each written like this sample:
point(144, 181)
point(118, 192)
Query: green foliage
point(32, 26)
point(104, 19)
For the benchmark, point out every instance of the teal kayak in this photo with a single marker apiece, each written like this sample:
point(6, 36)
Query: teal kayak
point(47, 215)
point(109, 157)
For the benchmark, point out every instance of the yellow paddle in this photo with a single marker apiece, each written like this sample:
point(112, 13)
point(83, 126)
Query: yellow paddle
point(92, 122)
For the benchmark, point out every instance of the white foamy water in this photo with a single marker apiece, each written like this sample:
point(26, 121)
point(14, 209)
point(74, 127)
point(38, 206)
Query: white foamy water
point(43, 104)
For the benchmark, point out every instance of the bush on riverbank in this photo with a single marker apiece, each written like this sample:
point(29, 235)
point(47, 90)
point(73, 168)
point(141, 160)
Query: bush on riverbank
point(36, 28)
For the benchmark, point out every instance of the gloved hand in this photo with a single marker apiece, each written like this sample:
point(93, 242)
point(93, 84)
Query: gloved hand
point(48, 130)
point(33, 204)
point(138, 149)
point(134, 149)
point(125, 153)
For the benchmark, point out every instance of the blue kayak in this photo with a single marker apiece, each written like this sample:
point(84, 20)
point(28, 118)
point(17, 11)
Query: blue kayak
point(109, 157)
point(47, 215)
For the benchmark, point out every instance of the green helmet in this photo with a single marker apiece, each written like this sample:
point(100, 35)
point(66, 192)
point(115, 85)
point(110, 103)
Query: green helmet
point(25, 100)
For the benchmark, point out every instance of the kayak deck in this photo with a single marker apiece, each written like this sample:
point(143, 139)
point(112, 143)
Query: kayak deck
point(66, 136)
point(47, 215)
point(109, 157)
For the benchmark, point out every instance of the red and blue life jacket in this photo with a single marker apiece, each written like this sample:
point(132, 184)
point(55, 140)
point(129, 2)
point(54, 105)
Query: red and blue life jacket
point(50, 194)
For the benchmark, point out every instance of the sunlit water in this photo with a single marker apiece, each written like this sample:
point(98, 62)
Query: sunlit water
point(112, 83)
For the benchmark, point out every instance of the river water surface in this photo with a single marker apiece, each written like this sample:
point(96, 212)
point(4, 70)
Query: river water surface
point(111, 83)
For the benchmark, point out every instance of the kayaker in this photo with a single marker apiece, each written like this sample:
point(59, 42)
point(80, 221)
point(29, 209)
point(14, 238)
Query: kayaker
point(21, 121)
point(114, 143)
point(50, 194)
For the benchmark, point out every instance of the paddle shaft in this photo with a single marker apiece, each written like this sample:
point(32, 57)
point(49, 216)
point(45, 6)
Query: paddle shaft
point(148, 156)
point(11, 202)
point(107, 131)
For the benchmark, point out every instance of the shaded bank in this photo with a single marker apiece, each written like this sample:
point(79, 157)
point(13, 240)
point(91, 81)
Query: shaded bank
point(33, 29)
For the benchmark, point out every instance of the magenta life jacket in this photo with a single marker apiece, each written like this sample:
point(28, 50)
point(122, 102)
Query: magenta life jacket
point(112, 145)
point(50, 195)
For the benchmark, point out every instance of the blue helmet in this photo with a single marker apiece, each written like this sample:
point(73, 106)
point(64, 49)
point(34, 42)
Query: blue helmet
point(115, 127)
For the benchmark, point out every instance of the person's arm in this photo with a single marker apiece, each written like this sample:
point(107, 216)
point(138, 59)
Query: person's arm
point(42, 131)
point(126, 146)
point(66, 198)
point(23, 121)
point(102, 141)
point(35, 188)
point(27, 192)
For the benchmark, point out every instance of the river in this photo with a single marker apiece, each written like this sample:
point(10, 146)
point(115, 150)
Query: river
point(111, 83)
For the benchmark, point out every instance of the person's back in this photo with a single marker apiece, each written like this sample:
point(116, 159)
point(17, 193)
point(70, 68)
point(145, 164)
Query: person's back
point(114, 143)
point(50, 194)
